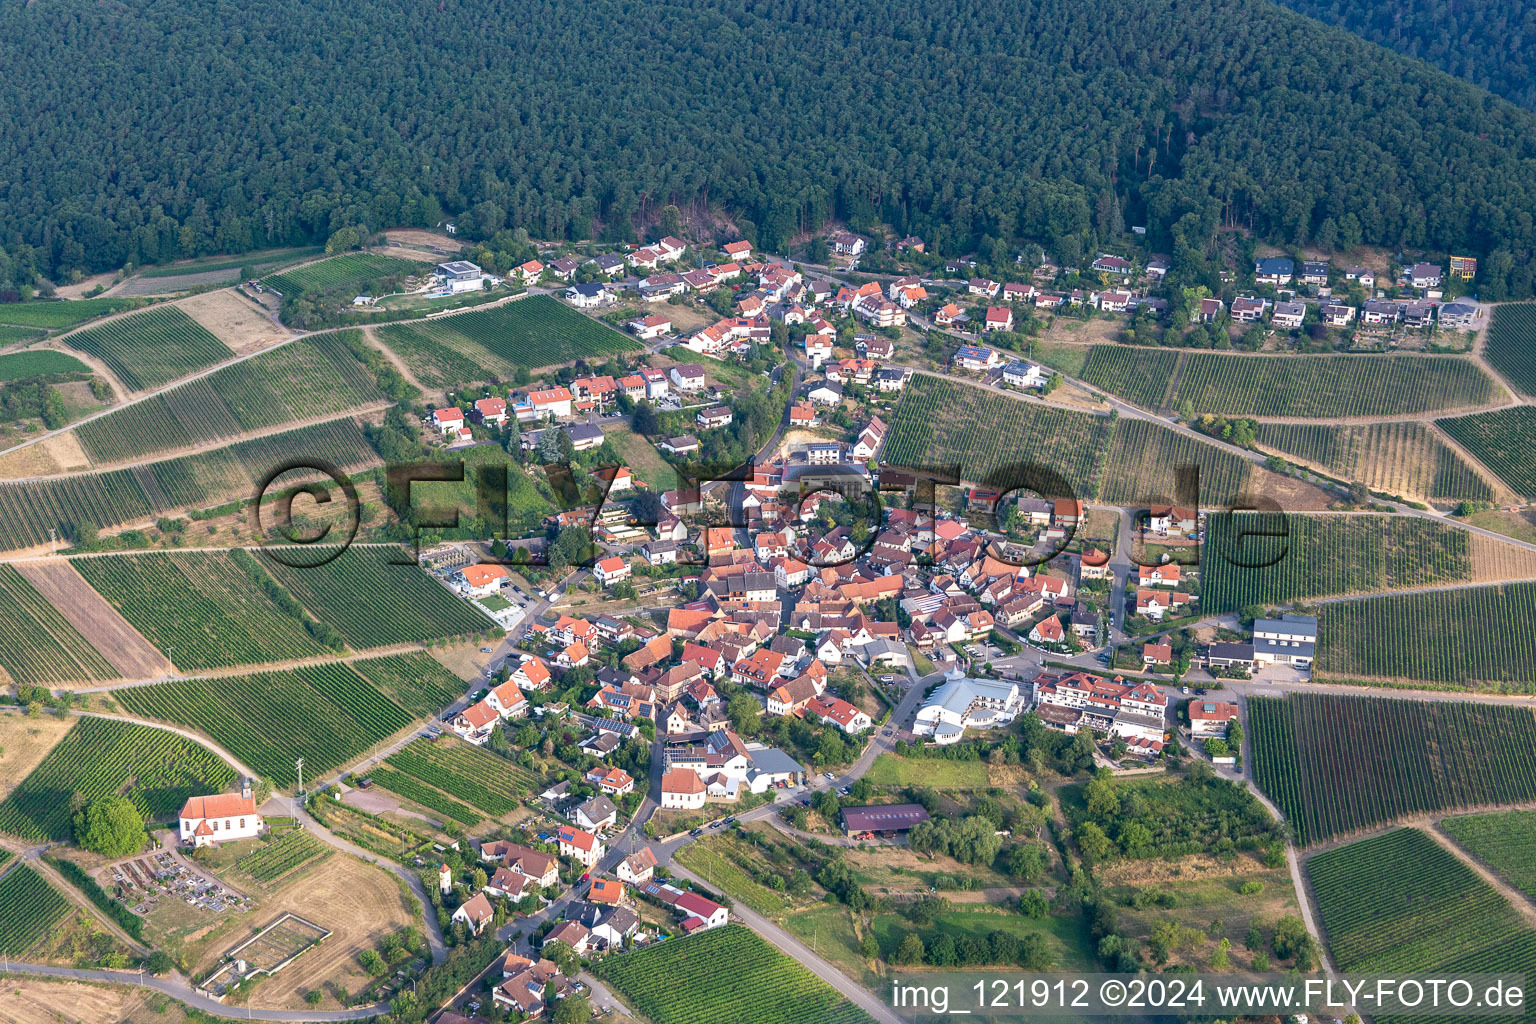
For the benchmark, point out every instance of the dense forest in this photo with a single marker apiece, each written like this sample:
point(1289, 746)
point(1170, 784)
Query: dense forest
point(147, 130)
point(1489, 42)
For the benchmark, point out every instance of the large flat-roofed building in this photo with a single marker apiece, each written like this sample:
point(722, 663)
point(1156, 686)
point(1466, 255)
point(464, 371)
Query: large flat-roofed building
point(1288, 640)
point(883, 818)
point(961, 703)
point(461, 276)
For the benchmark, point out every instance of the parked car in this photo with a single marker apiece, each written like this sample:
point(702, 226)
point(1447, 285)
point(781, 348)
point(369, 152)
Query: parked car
point(697, 832)
point(828, 775)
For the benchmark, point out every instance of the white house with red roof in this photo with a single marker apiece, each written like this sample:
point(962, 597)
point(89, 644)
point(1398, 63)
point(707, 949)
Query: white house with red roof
point(653, 325)
point(611, 780)
point(475, 912)
point(1047, 631)
point(683, 789)
point(1159, 575)
point(699, 913)
point(1210, 717)
point(206, 820)
point(999, 318)
point(507, 700)
point(532, 674)
point(490, 410)
point(583, 847)
point(832, 710)
point(738, 251)
point(448, 420)
point(611, 570)
point(475, 723)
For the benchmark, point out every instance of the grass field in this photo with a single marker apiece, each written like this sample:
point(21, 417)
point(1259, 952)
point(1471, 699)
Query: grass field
point(373, 603)
point(941, 423)
point(1402, 458)
point(1318, 556)
point(55, 315)
point(416, 682)
point(347, 271)
point(474, 346)
point(157, 769)
point(1503, 840)
point(38, 646)
point(1138, 374)
point(724, 974)
point(300, 380)
point(1402, 639)
point(1330, 386)
point(20, 365)
point(1401, 905)
point(326, 714)
point(30, 909)
point(200, 609)
point(719, 860)
point(151, 348)
point(1336, 765)
point(1502, 442)
point(938, 772)
point(1511, 347)
point(1062, 935)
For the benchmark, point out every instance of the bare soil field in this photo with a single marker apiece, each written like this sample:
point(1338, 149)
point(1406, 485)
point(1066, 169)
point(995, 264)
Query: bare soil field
point(463, 660)
point(33, 460)
point(1292, 494)
point(359, 903)
point(233, 320)
point(421, 239)
point(24, 742)
point(1493, 560)
point(65, 450)
point(79, 288)
point(96, 620)
point(34, 1001)
point(174, 284)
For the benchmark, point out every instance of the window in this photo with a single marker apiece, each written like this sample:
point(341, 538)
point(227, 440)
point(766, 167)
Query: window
point(242, 823)
point(213, 826)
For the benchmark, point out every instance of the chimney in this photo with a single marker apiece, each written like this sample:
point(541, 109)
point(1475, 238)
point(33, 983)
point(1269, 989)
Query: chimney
point(245, 788)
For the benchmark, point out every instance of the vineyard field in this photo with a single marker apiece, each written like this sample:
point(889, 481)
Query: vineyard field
point(10, 335)
point(30, 909)
point(28, 510)
point(151, 348)
point(1135, 373)
point(417, 682)
point(99, 756)
point(1503, 840)
point(199, 609)
point(1511, 347)
point(1336, 765)
point(412, 789)
point(724, 974)
point(478, 777)
point(1401, 458)
point(373, 603)
point(1142, 458)
point(532, 332)
point(20, 365)
point(297, 381)
point(1502, 442)
point(55, 315)
point(282, 855)
point(942, 423)
point(38, 646)
point(347, 271)
point(1330, 386)
point(1475, 637)
point(1324, 555)
point(1402, 905)
point(326, 714)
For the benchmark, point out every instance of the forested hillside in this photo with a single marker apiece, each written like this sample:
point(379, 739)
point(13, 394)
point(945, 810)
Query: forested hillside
point(1489, 42)
point(145, 130)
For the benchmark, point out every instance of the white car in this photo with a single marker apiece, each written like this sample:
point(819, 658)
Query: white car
point(828, 775)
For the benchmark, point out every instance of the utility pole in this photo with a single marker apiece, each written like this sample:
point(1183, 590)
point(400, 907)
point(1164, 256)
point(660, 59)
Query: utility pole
point(299, 764)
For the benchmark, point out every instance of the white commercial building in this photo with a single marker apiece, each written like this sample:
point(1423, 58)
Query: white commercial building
point(962, 703)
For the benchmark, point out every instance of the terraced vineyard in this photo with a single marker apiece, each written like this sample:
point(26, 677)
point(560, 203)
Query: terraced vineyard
point(1322, 555)
point(19, 365)
point(373, 603)
point(54, 315)
point(1136, 373)
point(296, 381)
point(151, 348)
point(478, 777)
point(282, 855)
point(1401, 905)
point(1335, 765)
point(1401, 458)
point(1330, 386)
point(1502, 442)
point(943, 423)
point(417, 682)
point(1402, 640)
point(351, 270)
point(158, 770)
point(1503, 840)
point(30, 909)
point(326, 714)
point(724, 974)
point(1141, 462)
point(38, 646)
point(428, 797)
point(114, 497)
point(200, 609)
point(532, 332)
point(1511, 347)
